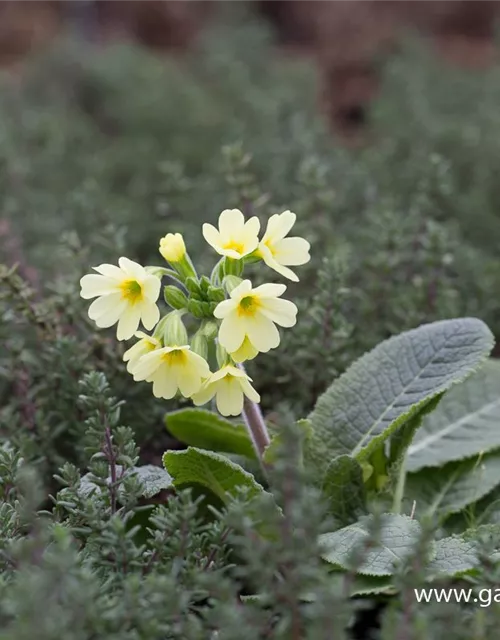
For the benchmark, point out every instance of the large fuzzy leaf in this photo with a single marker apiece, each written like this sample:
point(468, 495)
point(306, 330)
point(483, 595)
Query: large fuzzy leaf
point(466, 422)
point(210, 470)
point(391, 384)
point(397, 538)
point(451, 488)
point(454, 556)
point(207, 430)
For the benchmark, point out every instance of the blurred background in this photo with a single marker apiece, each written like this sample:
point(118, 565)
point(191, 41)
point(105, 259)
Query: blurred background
point(345, 37)
point(377, 122)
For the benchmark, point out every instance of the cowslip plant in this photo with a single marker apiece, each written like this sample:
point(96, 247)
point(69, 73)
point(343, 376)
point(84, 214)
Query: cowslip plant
point(372, 436)
point(229, 320)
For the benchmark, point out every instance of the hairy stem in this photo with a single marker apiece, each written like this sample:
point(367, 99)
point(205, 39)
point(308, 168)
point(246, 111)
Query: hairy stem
point(255, 424)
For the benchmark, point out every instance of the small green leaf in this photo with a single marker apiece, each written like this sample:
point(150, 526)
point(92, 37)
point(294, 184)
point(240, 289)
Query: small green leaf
point(449, 489)
point(466, 423)
point(390, 385)
point(396, 542)
point(360, 585)
point(211, 470)
point(206, 430)
point(344, 489)
point(154, 479)
point(277, 440)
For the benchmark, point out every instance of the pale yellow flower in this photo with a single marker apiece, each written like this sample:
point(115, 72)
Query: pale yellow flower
point(172, 369)
point(229, 385)
point(144, 345)
point(172, 247)
point(277, 251)
point(246, 352)
point(251, 314)
point(235, 238)
point(126, 295)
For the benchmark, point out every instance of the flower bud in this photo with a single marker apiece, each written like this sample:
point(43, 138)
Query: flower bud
point(159, 272)
point(172, 247)
point(233, 267)
point(216, 294)
point(199, 345)
point(174, 297)
point(231, 282)
point(196, 307)
point(174, 331)
point(193, 286)
point(209, 329)
point(222, 355)
point(204, 284)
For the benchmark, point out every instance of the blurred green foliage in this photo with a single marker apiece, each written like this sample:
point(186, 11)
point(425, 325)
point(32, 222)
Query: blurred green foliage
point(105, 150)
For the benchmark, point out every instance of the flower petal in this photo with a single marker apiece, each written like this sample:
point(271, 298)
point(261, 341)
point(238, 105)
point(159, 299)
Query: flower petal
point(268, 258)
point(151, 288)
point(270, 290)
point(283, 312)
point(199, 364)
point(252, 227)
point(93, 285)
point(224, 308)
point(261, 332)
point(205, 394)
point(132, 269)
point(106, 310)
point(136, 351)
point(229, 398)
point(249, 391)
point(247, 351)
point(150, 314)
point(241, 290)
point(188, 380)
point(111, 271)
point(211, 235)
point(231, 221)
point(164, 384)
point(149, 363)
point(292, 251)
point(279, 225)
point(128, 322)
point(231, 333)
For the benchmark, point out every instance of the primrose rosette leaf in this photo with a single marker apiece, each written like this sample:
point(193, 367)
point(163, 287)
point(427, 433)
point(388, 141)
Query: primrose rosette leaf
point(393, 384)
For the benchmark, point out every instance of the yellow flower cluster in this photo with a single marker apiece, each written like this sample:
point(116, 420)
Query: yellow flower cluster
point(238, 318)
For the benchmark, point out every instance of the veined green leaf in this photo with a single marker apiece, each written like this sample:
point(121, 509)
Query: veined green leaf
point(396, 542)
point(207, 430)
point(154, 479)
point(454, 556)
point(344, 489)
point(391, 384)
point(451, 488)
point(466, 422)
point(211, 470)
